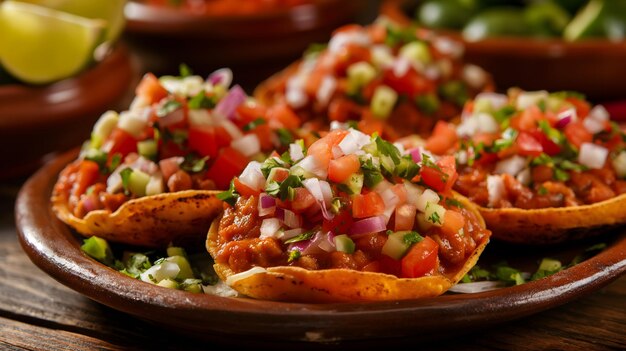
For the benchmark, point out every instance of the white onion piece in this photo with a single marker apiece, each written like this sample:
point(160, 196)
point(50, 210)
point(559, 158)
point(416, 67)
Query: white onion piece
point(495, 189)
point(269, 227)
point(592, 155)
point(322, 193)
point(428, 196)
point(524, 177)
point(476, 287)
point(312, 165)
point(220, 289)
point(475, 76)
point(529, 98)
point(159, 272)
point(496, 101)
point(336, 152)
point(381, 56)
point(595, 122)
point(292, 220)
point(174, 117)
point(468, 127)
point(132, 122)
point(243, 275)
point(155, 185)
point(462, 157)
point(413, 192)
point(368, 225)
point(390, 199)
point(252, 176)
point(449, 47)
point(512, 165)
point(231, 128)
point(288, 234)
point(600, 113)
point(200, 117)
point(401, 66)
point(619, 164)
point(295, 152)
point(296, 97)
point(339, 40)
point(248, 145)
point(354, 141)
point(326, 90)
point(486, 123)
point(566, 117)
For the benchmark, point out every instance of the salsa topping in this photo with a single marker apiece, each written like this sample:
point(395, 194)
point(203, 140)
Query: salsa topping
point(349, 200)
point(534, 150)
point(180, 133)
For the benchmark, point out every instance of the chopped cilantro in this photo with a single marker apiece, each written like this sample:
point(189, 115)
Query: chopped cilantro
point(411, 238)
point(125, 174)
point(286, 157)
point(116, 159)
point(98, 156)
point(193, 164)
point(269, 164)
point(454, 91)
point(302, 237)
point(229, 196)
point(568, 94)
point(504, 113)
point(398, 36)
point(168, 107)
point(560, 175)
point(285, 189)
point(184, 70)
point(434, 218)
point(315, 48)
point(542, 160)
point(200, 100)
point(294, 255)
point(388, 149)
point(590, 251)
point(571, 166)
point(407, 168)
point(553, 134)
point(542, 190)
point(508, 274)
point(547, 267)
point(257, 122)
point(371, 174)
point(453, 202)
point(428, 103)
point(284, 136)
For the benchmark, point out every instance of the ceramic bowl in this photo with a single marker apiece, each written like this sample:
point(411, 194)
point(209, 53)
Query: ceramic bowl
point(254, 46)
point(595, 67)
point(38, 120)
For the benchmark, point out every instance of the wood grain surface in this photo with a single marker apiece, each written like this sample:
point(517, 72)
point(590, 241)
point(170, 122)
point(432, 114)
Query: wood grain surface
point(38, 313)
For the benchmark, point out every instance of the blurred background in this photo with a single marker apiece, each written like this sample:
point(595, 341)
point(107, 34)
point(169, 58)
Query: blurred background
point(65, 62)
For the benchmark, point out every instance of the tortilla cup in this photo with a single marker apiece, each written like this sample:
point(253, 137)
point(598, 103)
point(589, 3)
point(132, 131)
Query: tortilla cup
point(151, 221)
point(554, 225)
point(297, 284)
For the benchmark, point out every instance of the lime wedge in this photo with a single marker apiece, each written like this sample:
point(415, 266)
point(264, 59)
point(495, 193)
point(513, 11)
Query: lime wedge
point(587, 23)
point(111, 11)
point(40, 45)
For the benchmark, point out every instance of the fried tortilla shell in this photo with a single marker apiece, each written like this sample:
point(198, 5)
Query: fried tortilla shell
point(554, 225)
point(151, 221)
point(297, 284)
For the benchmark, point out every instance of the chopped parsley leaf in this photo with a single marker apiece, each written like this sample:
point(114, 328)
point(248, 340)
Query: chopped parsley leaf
point(284, 136)
point(411, 238)
point(434, 218)
point(285, 189)
point(388, 149)
point(407, 168)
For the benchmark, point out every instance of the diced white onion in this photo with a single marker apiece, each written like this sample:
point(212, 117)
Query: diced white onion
point(512, 165)
point(428, 196)
point(524, 177)
point(296, 97)
point(269, 227)
point(381, 56)
point(295, 152)
point(200, 117)
point(312, 165)
point(159, 272)
point(326, 90)
point(288, 234)
point(336, 151)
point(595, 122)
point(105, 124)
point(413, 192)
point(619, 164)
point(231, 128)
point(592, 155)
point(340, 40)
point(390, 199)
point(431, 210)
point(252, 176)
point(231, 280)
point(155, 185)
point(496, 101)
point(486, 123)
point(475, 76)
point(292, 220)
point(248, 145)
point(401, 66)
point(476, 287)
point(495, 189)
point(530, 98)
point(132, 122)
point(449, 47)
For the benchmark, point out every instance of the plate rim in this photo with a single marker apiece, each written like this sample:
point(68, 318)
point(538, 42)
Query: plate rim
point(53, 247)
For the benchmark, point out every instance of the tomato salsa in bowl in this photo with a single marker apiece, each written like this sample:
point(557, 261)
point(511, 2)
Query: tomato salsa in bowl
point(544, 167)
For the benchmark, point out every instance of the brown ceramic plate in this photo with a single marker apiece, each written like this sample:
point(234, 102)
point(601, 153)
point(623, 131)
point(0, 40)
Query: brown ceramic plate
point(55, 249)
point(37, 120)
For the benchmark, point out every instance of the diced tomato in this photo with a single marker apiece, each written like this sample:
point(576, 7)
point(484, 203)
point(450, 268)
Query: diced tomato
point(228, 164)
point(373, 266)
point(411, 83)
point(527, 145)
point(371, 126)
point(390, 266)
point(88, 173)
point(169, 166)
point(542, 173)
point(243, 189)
point(370, 88)
point(280, 174)
point(350, 54)
point(247, 113)
point(527, 119)
point(170, 149)
point(342, 168)
point(342, 109)
point(441, 179)
point(453, 221)
point(322, 148)
point(284, 114)
point(367, 205)
point(339, 224)
point(122, 143)
point(422, 259)
point(222, 138)
point(151, 89)
point(549, 147)
point(405, 217)
point(400, 191)
point(302, 201)
point(577, 134)
point(582, 107)
point(442, 139)
point(202, 140)
point(264, 134)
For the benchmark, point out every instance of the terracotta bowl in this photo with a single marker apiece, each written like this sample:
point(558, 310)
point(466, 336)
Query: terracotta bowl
point(254, 46)
point(596, 67)
point(38, 120)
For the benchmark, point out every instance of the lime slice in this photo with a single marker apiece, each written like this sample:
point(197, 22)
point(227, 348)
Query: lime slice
point(40, 45)
point(587, 23)
point(111, 11)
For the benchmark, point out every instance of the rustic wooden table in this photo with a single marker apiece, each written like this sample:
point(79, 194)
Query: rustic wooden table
point(38, 313)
